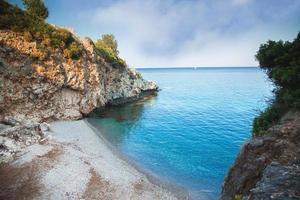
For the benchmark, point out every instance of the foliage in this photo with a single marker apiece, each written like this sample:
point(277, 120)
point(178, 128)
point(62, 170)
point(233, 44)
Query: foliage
point(106, 47)
point(73, 51)
point(108, 42)
point(238, 197)
point(281, 61)
point(48, 37)
point(267, 118)
point(110, 57)
point(36, 8)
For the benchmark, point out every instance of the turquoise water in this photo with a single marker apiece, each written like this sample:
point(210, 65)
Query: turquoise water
point(191, 132)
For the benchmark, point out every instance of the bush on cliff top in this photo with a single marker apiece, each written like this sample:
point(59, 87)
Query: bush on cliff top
point(107, 47)
point(34, 28)
point(108, 41)
point(281, 61)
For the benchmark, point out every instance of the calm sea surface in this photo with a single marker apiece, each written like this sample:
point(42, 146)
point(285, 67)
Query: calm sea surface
point(191, 132)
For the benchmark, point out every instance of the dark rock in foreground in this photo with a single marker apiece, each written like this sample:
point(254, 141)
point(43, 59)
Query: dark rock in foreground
point(268, 167)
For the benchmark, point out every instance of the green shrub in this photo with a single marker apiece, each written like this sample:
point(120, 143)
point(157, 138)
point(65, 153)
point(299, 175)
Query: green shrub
point(34, 28)
point(73, 51)
point(107, 47)
point(110, 57)
point(281, 61)
point(266, 119)
point(238, 197)
point(108, 42)
point(36, 7)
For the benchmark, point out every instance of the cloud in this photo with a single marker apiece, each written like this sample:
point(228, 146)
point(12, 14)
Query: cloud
point(192, 33)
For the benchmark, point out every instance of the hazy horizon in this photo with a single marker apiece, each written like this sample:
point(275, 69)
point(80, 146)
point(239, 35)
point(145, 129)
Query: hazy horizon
point(176, 67)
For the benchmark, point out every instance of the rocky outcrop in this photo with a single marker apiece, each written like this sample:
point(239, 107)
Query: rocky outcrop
point(57, 87)
point(14, 137)
point(268, 167)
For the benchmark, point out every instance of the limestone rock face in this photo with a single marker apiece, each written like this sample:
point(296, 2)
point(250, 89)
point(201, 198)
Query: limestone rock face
point(57, 87)
point(268, 167)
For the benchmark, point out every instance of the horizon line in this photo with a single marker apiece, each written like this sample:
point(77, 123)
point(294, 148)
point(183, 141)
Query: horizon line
point(196, 67)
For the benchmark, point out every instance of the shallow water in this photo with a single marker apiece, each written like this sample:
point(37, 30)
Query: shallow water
point(191, 132)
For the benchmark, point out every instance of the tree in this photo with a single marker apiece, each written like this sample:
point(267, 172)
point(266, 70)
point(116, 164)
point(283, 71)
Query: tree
point(108, 42)
point(281, 61)
point(36, 8)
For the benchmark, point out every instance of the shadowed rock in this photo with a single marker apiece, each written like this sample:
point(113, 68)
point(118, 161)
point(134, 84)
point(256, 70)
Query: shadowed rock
point(268, 166)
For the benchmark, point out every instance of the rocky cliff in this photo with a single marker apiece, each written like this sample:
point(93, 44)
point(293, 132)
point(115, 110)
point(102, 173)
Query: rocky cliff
point(48, 73)
point(268, 167)
point(57, 87)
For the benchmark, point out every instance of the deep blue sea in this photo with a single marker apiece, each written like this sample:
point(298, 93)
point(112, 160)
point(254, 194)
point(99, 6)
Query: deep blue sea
point(191, 132)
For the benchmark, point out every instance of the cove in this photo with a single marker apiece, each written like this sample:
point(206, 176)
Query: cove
point(190, 133)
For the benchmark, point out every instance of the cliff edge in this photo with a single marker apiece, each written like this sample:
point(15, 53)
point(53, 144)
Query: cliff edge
point(58, 87)
point(268, 167)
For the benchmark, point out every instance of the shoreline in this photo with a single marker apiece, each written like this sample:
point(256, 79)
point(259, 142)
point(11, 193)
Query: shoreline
point(179, 191)
point(73, 162)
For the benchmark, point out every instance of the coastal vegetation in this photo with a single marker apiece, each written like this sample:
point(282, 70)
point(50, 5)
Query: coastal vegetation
point(108, 42)
point(107, 47)
point(36, 8)
point(32, 25)
point(49, 38)
point(281, 62)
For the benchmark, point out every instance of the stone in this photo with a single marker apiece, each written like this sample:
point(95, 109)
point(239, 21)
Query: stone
point(10, 121)
point(257, 142)
point(44, 127)
point(4, 126)
point(278, 182)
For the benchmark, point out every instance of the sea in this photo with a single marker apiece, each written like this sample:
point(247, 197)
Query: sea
point(190, 133)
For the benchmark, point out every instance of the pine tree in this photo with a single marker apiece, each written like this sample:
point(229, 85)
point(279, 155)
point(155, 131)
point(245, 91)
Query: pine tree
point(36, 8)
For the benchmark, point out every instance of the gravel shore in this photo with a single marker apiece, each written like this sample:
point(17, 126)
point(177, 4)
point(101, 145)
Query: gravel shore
point(74, 163)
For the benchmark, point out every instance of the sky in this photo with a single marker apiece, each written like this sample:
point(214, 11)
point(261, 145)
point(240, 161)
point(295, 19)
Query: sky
point(181, 33)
